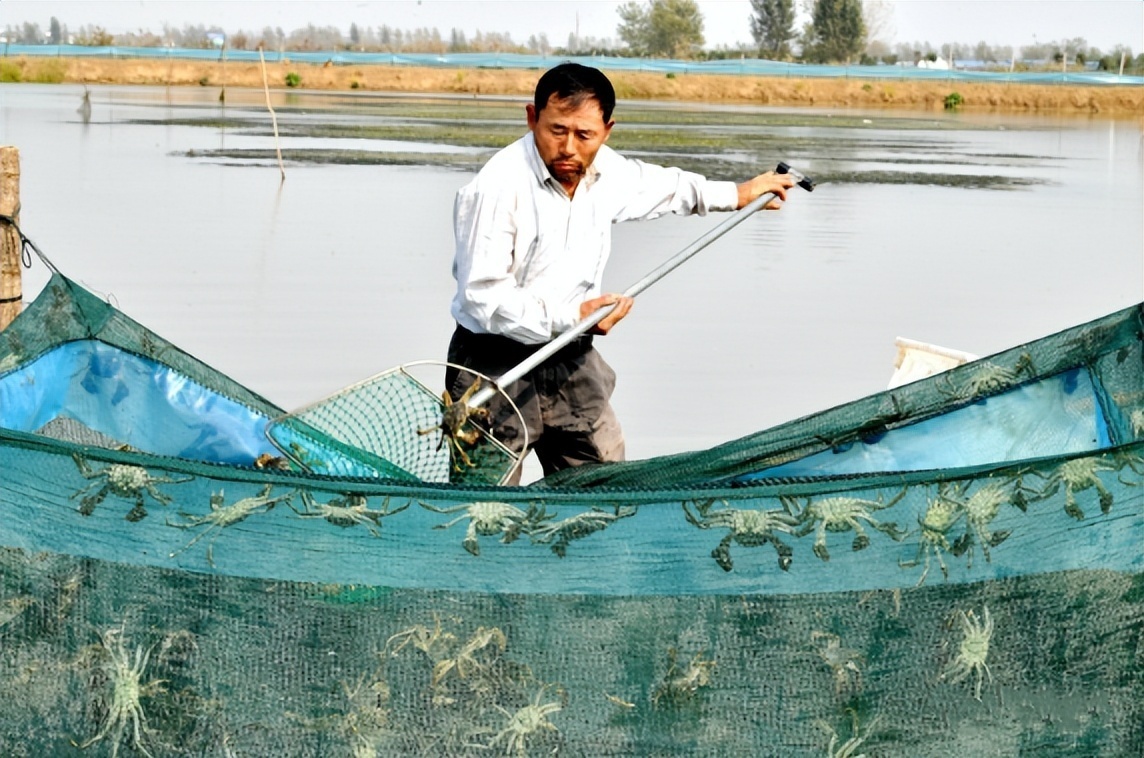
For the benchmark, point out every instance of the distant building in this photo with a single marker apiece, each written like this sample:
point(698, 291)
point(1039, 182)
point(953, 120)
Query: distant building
point(940, 64)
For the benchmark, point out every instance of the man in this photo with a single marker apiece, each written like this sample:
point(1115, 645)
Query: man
point(533, 232)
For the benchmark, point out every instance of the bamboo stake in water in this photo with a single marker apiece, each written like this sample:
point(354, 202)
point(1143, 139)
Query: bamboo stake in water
point(273, 117)
point(11, 297)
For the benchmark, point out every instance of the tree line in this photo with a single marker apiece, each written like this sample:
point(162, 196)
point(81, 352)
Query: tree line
point(832, 31)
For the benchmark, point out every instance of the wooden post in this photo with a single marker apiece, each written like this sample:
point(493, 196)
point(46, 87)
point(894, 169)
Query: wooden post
point(11, 295)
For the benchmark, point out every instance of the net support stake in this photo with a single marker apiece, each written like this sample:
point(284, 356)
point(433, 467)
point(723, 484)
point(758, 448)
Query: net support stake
point(11, 296)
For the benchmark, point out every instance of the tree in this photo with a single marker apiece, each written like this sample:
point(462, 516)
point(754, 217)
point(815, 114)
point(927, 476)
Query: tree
point(457, 41)
point(539, 44)
point(30, 34)
point(838, 30)
point(772, 26)
point(55, 36)
point(662, 28)
point(634, 28)
point(94, 36)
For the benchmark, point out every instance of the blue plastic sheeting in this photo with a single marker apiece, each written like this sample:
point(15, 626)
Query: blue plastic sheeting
point(1055, 416)
point(737, 66)
point(133, 401)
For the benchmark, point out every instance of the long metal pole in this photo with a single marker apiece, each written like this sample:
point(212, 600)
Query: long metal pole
point(483, 395)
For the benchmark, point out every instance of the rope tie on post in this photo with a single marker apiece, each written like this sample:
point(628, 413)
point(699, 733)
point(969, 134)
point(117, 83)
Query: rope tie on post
point(27, 247)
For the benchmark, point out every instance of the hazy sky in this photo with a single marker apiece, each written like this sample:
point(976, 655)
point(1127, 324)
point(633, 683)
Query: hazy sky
point(1103, 23)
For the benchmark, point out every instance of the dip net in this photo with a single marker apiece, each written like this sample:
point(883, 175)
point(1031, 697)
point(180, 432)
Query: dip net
point(955, 566)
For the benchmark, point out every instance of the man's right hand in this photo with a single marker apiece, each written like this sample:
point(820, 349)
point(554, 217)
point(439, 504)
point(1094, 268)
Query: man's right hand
point(623, 305)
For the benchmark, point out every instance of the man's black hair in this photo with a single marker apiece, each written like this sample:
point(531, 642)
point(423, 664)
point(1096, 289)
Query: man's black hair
point(576, 83)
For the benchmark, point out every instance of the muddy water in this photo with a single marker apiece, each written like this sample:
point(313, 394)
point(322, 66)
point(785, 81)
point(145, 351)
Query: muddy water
point(975, 232)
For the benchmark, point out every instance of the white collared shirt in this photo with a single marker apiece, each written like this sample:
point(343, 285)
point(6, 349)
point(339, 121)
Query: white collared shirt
point(527, 255)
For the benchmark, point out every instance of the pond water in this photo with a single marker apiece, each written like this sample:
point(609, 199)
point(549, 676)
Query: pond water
point(970, 231)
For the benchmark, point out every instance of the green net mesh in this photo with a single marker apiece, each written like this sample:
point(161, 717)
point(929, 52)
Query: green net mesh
point(397, 418)
point(731, 603)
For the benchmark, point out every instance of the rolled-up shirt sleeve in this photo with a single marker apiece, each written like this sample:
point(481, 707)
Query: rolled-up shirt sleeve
point(490, 299)
point(658, 190)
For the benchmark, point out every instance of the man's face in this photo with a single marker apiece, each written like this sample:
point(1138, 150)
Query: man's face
point(568, 137)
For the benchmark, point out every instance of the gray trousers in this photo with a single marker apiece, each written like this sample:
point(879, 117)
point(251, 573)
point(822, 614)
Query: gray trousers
point(564, 402)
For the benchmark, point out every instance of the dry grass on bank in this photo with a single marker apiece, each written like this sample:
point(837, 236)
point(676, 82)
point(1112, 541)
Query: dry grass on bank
point(1058, 99)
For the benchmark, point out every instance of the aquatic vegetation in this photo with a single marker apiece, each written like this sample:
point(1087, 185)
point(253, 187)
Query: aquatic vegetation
point(125, 672)
point(842, 514)
point(293, 79)
point(14, 607)
point(561, 533)
point(489, 518)
point(747, 527)
point(973, 651)
point(953, 101)
point(352, 510)
point(222, 516)
point(123, 481)
point(680, 685)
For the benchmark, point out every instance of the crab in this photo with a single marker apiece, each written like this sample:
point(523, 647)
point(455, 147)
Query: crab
point(749, 528)
point(682, 685)
point(973, 652)
point(488, 518)
point(122, 480)
point(433, 643)
point(843, 662)
point(364, 723)
point(843, 514)
point(940, 516)
point(464, 662)
point(474, 662)
point(222, 516)
point(266, 461)
point(526, 722)
point(454, 416)
point(576, 527)
point(847, 748)
point(351, 510)
point(125, 711)
point(988, 379)
point(980, 509)
point(1079, 475)
point(1136, 418)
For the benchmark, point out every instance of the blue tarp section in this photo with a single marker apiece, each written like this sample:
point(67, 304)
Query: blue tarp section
point(1056, 415)
point(740, 66)
point(131, 400)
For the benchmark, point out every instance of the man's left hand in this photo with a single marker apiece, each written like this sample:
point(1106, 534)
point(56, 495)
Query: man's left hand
point(623, 305)
point(761, 185)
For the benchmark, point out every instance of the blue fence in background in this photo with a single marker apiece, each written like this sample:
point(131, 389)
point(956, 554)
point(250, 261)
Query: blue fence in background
point(738, 66)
